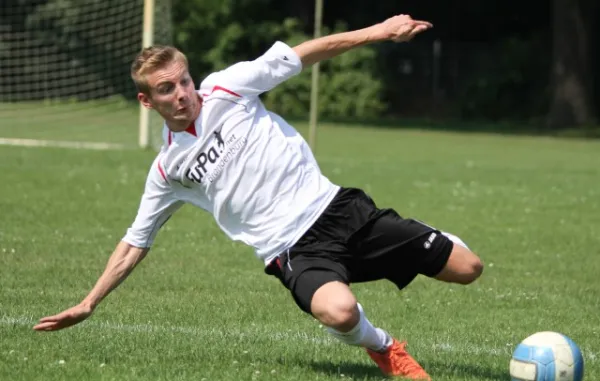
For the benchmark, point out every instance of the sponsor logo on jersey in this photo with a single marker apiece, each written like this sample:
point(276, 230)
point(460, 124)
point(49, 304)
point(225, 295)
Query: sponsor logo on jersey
point(211, 161)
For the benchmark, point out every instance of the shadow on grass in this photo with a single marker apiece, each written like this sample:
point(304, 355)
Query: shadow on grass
point(358, 371)
point(449, 370)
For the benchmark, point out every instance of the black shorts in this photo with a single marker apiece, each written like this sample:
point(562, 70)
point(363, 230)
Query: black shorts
point(353, 241)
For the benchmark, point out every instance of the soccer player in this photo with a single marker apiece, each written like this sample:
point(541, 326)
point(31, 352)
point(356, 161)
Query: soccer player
point(225, 153)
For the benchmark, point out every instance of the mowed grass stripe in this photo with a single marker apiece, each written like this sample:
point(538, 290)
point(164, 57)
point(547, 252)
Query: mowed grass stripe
point(200, 306)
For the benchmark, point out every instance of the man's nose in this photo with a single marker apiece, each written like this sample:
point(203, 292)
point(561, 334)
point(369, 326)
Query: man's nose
point(181, 94)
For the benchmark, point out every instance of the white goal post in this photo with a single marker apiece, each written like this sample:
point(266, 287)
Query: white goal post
point(147, 40)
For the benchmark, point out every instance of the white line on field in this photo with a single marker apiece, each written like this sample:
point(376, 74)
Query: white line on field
point(205, 333)
point(61, 144)
point(234, 334)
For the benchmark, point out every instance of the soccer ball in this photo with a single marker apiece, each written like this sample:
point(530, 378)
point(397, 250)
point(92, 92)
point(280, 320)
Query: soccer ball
point(547, 356)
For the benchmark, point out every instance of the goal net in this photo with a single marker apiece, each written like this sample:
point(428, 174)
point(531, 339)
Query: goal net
point(64, 70)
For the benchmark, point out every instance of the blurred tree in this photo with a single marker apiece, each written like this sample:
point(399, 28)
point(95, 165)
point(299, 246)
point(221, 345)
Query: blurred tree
point(79, 49)
point(217, 33)
point(349, 86)
point(495, 63)
point(571, 75)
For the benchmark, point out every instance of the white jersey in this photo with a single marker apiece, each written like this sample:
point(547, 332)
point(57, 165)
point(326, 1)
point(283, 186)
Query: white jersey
point(246, 166)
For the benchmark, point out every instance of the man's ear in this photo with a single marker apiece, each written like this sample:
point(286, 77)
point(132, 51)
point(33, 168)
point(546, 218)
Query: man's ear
point(144, 100)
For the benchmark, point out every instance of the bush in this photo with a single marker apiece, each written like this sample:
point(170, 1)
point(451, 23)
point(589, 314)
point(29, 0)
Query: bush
point(348, 86)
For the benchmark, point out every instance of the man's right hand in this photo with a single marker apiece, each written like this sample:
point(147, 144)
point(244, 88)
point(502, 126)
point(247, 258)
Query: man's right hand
point(119, 266)
point(402, 28)
point(65, 319)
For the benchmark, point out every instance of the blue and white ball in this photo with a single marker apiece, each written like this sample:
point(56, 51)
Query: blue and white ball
point(547, 356)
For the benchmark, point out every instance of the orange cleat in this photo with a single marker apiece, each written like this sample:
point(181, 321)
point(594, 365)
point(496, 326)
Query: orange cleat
point(396, 361)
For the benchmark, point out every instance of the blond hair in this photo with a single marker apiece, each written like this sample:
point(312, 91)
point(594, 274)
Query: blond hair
point(153, 58)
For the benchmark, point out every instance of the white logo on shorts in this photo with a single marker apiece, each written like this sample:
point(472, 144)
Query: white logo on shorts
point(427, 244)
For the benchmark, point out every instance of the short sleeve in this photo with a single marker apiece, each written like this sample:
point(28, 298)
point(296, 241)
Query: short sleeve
point(251, 78)
point(157, 205)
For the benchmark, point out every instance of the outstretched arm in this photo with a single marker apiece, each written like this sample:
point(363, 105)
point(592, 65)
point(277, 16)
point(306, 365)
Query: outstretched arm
point(400, 28)
point(119, 266)
point(158, 203)
point(281, 62)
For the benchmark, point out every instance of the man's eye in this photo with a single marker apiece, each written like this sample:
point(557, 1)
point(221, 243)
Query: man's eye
point(165, 89)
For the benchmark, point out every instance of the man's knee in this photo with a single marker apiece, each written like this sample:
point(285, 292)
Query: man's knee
point(462, 267)
point(334, 305)
point(473, 269)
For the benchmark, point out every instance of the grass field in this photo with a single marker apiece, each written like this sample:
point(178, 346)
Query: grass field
point(111, 121)
point(200, 308)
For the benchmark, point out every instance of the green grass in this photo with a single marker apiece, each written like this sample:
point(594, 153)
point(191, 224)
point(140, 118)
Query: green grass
point(106, 121)
point(114, 120)
point(200, 307)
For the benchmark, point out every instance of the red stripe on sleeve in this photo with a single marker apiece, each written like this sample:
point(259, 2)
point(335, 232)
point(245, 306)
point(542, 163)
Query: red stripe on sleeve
point(162, 172)
point(216, 88)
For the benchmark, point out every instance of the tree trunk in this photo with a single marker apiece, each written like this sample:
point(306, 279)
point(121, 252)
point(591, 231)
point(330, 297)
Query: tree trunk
point(571, 99)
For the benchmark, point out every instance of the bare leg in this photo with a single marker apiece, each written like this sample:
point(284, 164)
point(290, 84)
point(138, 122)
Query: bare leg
point(334, 305)
point(463, 266)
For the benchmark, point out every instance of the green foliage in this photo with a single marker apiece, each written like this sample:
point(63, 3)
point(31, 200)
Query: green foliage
point(348, 86)
point(506, 76)
point(214, 36)
point(507, 81)
point(81, 49)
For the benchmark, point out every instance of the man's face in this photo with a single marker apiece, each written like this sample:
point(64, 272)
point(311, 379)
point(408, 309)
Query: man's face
point(172, 95)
